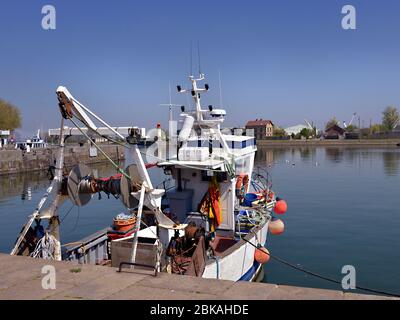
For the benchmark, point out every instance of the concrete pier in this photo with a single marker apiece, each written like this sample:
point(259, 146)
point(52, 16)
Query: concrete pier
point(21, 278)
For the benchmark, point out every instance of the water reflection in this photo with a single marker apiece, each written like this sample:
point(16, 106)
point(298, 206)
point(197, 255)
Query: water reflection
point(334, 154)
point(26, 194)
point(386, 158)
point(307, 153)
point(391, 162)
point(22, 184)
point(265, 157)
point(268, 156)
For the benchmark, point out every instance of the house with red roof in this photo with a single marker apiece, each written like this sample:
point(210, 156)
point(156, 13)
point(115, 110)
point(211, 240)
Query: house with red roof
point(262, 128)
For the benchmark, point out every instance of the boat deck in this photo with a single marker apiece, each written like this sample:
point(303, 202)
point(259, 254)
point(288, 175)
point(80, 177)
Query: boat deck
point(21, 278)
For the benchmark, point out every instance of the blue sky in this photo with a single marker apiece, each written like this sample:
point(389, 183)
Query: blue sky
point(281, 60)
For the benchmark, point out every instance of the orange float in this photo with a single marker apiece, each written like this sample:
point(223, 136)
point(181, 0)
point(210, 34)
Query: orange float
point(261, 255)
point(280, 207)
point(276, 227)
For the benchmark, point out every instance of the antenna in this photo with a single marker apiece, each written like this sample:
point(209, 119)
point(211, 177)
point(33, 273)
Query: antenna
point(170, 98)
point(198, 54)
point(191, 57)
point(220, 88)
point(170, 104)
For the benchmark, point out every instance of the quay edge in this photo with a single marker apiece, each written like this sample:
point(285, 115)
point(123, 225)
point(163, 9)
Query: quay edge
point(21, 279)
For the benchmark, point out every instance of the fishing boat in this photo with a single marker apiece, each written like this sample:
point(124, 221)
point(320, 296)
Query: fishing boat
point(212, 223)
point(34, 143)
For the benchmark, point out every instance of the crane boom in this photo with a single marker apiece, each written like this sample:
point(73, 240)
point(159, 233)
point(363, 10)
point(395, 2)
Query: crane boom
point(352, 118)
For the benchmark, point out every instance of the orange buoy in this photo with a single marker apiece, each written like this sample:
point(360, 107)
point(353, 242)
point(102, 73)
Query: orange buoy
point(276, 226)
point(280, 207)
point(261, 255)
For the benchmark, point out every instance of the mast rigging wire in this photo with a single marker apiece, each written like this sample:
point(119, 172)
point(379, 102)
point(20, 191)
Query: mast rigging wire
point(117, 167)
point(198, 54)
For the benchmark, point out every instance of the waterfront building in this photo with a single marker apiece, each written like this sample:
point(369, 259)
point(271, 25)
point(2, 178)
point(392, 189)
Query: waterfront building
point(294, 130)
point(334, 132)
point(262, 128)
point(4, 137)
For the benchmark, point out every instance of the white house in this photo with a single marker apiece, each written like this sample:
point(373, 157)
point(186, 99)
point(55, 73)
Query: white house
point(295, 129)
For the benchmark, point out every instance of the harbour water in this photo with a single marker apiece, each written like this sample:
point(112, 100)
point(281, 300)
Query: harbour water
point(343, 210)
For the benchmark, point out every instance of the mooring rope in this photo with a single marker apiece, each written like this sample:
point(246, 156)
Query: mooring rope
point(45, 247)
point(323, 276)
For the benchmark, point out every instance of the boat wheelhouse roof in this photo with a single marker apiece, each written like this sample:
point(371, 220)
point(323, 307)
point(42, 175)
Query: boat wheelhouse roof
point(233, 141)
point(207, 164)
point(231, 137)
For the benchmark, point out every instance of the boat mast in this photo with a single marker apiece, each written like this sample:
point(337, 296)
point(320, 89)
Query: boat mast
point(196, 96)
point(54, 222)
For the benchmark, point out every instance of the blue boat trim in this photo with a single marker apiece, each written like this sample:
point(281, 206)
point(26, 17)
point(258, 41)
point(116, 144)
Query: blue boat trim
point(249, 275)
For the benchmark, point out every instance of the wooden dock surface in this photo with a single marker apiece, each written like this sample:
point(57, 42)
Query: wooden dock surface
point(21, 278)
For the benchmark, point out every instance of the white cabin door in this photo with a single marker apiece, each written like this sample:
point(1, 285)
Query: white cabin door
point(227, 204)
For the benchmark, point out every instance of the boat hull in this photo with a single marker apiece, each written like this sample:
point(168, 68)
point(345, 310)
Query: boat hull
point(238, 263)
point(235, 264)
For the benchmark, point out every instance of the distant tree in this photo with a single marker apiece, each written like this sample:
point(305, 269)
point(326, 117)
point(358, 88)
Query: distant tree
point(332, 122)
point(351, 128)
point(279, 132)
point(375, 128)
point(315, 131)
point(306, 133)
point(390, 118)
point(10, 117)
